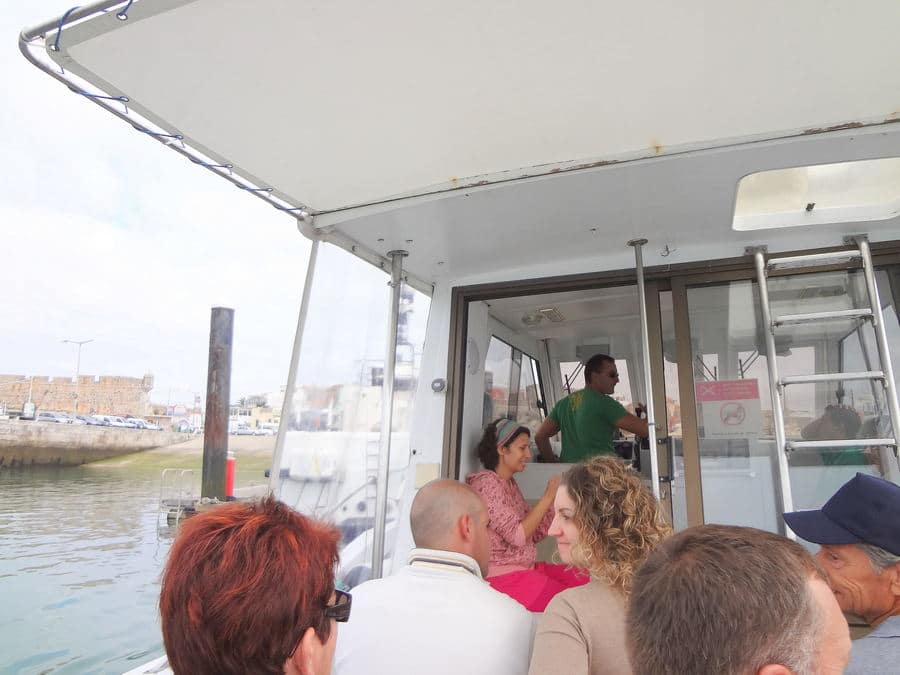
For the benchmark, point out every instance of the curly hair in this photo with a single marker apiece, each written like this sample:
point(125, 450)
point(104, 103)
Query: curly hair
point(487, 446)
point(619, 520)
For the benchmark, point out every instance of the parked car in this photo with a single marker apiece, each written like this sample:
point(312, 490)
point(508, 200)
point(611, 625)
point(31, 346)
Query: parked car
point(113, 421)
point(55, 417)
point(101, 420)
point(141, 423)
point(90, 420)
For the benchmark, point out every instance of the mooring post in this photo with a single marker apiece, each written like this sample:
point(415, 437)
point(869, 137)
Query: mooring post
point(218, 393)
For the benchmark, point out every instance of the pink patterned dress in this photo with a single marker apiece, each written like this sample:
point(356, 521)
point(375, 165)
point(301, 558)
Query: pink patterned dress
point(512, 568)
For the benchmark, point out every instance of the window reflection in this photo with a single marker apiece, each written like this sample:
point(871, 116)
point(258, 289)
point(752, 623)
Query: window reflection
point(521, 400)
point(333, 427)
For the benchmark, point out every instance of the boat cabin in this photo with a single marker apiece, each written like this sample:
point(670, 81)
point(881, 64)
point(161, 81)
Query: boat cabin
point(496, 193)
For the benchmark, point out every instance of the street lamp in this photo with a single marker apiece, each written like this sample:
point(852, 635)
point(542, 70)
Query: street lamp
point(77, 371)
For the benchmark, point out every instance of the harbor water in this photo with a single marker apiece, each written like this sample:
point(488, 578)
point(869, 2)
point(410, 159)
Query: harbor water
point(81, 556)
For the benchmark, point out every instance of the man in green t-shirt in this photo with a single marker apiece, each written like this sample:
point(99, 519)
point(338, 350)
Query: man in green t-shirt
point(589, 418)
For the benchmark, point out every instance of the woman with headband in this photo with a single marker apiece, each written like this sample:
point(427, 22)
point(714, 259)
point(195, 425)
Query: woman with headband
point(515, 529)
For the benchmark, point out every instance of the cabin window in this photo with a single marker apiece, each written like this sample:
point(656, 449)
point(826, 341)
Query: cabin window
point(845, 192)
point(333, 426)
point(734, 406)
point(512, 385)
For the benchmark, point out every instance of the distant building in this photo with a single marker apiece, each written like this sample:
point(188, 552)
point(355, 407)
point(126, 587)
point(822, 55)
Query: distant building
point(177, 416)
point(275, 399)
point(104, 394)
point(254, 412)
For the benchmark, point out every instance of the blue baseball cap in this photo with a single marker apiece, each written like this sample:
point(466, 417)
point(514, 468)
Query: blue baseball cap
point(866, 510)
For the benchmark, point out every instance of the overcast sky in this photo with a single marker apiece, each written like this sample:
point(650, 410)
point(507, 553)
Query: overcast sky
point(107, 235)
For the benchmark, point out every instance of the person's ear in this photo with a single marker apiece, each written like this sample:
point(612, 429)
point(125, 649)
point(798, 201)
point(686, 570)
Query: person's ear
point(774, 669)
point(305, 655)
point(466, 527)
point(894, 572)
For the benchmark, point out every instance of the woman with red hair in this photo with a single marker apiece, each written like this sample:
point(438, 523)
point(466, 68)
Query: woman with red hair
point(249, 588)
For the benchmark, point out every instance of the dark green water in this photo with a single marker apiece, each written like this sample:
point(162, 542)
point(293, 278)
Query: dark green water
point(80, 561)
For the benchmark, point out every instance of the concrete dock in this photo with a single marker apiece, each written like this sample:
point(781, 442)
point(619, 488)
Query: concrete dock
point(50, 444)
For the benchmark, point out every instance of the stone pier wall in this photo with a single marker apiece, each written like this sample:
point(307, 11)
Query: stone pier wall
point(46, 443)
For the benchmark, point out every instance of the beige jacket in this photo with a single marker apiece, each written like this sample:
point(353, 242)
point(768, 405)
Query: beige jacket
point(582, 632)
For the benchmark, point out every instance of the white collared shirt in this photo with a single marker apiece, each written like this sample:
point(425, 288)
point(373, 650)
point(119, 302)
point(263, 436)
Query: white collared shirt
point(436, 616)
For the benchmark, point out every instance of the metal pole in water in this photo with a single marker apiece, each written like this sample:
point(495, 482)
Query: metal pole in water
point(218, 393)
point(645, 354)
point(288, 403)
point(387, 410)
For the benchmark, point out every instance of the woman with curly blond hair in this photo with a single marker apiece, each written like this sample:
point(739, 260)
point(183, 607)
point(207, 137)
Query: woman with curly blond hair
point(607, 523)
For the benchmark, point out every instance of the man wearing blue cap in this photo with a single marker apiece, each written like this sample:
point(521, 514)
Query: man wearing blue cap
point(858, 530)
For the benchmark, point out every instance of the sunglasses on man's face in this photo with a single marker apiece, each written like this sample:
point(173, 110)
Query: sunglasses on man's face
point(340, 610)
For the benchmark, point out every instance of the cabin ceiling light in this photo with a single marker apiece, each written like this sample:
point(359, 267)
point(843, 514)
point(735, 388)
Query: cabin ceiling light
point(535, 317)
point(552, 313)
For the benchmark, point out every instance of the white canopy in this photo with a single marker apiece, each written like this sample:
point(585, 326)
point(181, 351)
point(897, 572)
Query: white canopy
point(344, 106)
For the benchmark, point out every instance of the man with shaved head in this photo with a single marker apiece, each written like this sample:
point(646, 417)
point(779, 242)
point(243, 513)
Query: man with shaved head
point(437, 615)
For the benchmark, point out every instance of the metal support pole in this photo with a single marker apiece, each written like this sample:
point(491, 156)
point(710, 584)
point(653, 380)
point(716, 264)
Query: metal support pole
point(291, 387)
point(645, 356)
point(781, 459)
point(77, 381)
point(218, 392)
point(387, 410)
point(890, 384)
point(549, 383)
point(80, 343)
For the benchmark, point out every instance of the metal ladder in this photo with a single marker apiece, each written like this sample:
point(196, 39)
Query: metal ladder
point(777, 384)
point(176, 494)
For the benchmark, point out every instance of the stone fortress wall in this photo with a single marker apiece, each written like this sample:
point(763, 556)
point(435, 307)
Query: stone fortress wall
point(103, 395)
